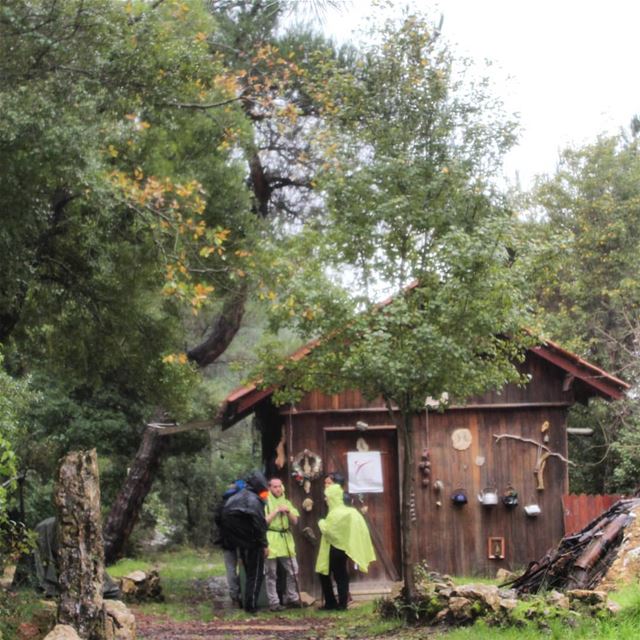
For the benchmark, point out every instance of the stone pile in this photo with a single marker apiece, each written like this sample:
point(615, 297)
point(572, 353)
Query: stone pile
point(441, 602)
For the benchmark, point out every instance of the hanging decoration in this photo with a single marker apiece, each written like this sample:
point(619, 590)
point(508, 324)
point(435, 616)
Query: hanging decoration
point(541, 458)
point(281, 458)
point(510, 497)
point(365, 472)
point(495, 546)
point(461, 439)
point(306, 467)
point(488, 497)
point(459, 497)
point(425, 467)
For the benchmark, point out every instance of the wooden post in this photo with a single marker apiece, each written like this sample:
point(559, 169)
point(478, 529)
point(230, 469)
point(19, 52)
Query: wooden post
point(81, 549)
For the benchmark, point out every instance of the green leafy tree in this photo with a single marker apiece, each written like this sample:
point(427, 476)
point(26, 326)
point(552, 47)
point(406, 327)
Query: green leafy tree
point(132, 132)
point(117, 206)
point(411, 209)
point(584, 265)
point(15, 396)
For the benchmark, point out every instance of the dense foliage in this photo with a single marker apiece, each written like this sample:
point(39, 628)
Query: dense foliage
point(584, 252)
point(117, 202)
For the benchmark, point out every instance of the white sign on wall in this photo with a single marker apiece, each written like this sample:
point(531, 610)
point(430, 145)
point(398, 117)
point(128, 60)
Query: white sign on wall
point(365, 472)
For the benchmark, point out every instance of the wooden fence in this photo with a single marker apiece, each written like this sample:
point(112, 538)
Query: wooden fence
point(581, 509)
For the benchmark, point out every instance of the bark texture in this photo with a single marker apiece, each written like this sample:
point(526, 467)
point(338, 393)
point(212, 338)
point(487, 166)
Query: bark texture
point(126, 508)
point(81, 550)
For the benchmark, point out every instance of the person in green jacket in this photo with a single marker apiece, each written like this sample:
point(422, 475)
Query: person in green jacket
point(281, 514)
point(345, 535)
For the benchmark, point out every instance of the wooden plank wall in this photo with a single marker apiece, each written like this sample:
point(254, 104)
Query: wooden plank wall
point(581, 509)
point(454, 539)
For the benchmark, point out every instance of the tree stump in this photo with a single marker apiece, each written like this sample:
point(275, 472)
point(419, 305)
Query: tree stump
point(81, 548)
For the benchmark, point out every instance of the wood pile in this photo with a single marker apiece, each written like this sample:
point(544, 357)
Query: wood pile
point(582, 559)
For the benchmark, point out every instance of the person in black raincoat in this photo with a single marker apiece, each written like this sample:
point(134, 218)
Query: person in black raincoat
point(229, 551)
point(243, 525)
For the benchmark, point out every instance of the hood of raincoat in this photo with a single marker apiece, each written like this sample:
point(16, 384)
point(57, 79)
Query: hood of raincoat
point(344, 528)
point(257, 483)
point(334, 495)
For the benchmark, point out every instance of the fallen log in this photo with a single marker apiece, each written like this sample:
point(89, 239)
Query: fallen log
point(581, 559)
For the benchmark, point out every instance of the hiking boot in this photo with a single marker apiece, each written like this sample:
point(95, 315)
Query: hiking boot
point(277, 607)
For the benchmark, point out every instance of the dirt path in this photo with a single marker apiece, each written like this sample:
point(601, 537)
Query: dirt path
point(253, 628)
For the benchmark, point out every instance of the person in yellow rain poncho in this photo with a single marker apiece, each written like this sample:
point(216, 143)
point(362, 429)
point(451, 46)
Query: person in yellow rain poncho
point(344, 535)
point(281, 514)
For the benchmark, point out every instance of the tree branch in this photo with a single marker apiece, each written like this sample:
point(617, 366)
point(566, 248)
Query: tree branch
point(499, 437)
point(223, 331)
point(203, 106)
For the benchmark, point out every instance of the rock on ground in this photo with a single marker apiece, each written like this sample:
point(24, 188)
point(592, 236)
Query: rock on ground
point(120, 622)
point(62, 632)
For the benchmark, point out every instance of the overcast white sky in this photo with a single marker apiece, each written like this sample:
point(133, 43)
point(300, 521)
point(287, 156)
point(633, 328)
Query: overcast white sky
point(569, 68)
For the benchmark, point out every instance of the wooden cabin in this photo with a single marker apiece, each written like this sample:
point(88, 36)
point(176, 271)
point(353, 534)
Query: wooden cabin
point(490, 447)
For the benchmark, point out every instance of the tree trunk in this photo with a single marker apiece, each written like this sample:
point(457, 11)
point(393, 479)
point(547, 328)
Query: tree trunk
point(408, 505)
point(80, 545)
point(126, 508)
point(403, 419)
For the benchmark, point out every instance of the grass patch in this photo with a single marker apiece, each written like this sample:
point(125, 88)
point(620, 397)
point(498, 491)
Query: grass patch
point(615, 629)
point(183, 573)
point(460, 580)
point(127, 565)
point(623, 626)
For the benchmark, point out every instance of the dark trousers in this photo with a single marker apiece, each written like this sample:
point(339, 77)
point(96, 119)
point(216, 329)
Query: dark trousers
point(253, 561)
point(337, 569)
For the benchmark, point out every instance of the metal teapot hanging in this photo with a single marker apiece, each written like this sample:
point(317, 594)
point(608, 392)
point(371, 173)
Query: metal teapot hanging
point(459, 497)
point(533, 509)
point(488, 497)
point(510, 497)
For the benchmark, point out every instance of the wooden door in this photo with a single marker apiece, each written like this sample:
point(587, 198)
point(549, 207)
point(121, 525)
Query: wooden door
point(381, 510)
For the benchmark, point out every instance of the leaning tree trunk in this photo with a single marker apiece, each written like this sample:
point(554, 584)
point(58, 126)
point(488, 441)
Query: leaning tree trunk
point(80, 546)
point(126, 509)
